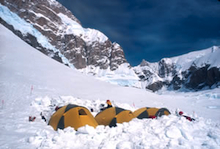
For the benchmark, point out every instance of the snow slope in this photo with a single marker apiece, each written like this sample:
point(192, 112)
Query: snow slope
point(28, 87)
point(200, 58)
point(25, 28)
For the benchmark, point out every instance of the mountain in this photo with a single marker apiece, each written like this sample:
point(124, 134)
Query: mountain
point(52, 29)
point(194, 71)
point(81, 47)
point(31, 83)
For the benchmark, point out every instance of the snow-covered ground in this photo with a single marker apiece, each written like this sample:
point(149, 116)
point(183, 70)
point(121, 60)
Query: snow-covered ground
point(31, 82)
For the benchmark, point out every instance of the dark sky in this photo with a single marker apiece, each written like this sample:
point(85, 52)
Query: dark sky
point(152, 29)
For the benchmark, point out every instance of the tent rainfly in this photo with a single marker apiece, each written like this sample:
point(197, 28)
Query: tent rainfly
point(72, 115)
point(113, 115)
point(147, 112)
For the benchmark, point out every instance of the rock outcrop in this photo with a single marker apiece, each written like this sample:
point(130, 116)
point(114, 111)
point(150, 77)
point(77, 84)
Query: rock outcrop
point(82, 47)
point(192, 71)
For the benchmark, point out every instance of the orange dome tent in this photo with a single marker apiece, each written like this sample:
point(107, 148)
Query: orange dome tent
point(72, 115)
point(113, 115)
point(147, 112)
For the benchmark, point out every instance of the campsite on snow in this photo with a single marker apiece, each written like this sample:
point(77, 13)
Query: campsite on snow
point(45, 104)
point(58, 87)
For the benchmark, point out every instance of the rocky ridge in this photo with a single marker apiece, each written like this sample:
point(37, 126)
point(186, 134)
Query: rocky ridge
point(81, 46)
point(193, 71)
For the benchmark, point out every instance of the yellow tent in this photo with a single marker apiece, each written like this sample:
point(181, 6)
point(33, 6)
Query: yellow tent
point(150, 112)
point(113, 115)
point(73, 116)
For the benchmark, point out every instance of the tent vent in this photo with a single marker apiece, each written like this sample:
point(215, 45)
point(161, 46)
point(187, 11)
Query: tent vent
point(82, 112)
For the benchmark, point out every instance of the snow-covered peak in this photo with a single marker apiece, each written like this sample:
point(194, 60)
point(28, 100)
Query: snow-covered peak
point(200, 58)
point(144, 63)
point(209, 56)
point(72, 27)
point(52, 1)
point(92, 35)
point(167, 61)
point(116, 45)
point(183, 71)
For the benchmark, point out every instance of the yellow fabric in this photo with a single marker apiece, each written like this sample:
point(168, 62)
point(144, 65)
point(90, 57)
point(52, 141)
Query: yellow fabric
point(166, 113)
point(124, 116)
point(139, 111)
point(152, 111)
point(55, 118)
point(73, 118)
point(105, 117)
point(87, 119)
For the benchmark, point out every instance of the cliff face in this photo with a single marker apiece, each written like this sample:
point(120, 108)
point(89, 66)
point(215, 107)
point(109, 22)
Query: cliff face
point(81, 46)
point(193, 71)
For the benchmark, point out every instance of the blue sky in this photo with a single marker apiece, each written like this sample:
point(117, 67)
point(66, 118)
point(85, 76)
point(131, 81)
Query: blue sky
point(152, 29)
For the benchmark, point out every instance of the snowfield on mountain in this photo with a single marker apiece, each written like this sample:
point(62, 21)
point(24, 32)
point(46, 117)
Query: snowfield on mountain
point(63, 38)
point(31, 83)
